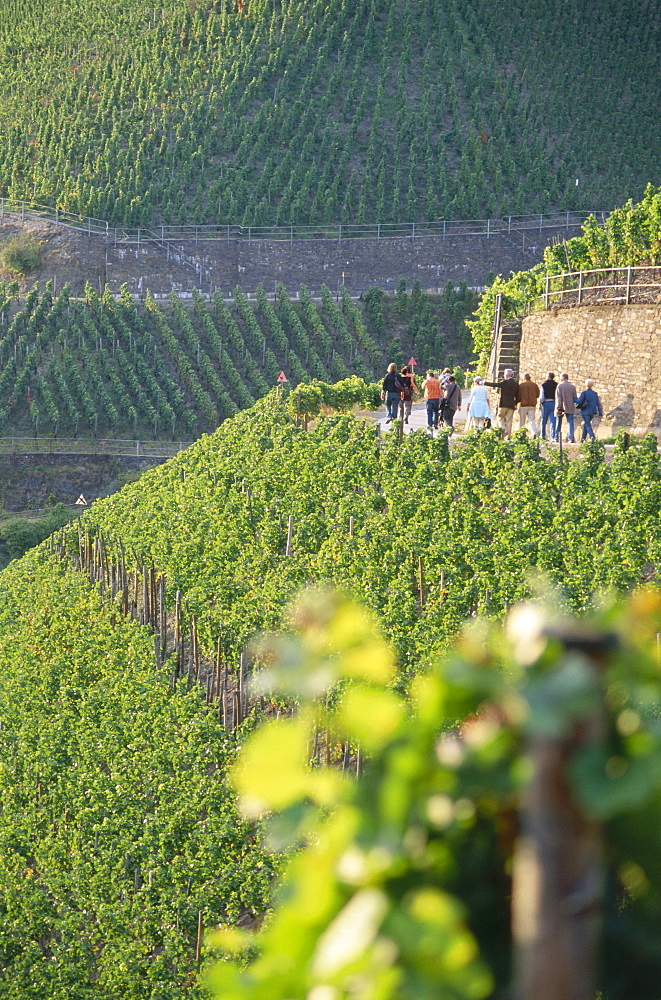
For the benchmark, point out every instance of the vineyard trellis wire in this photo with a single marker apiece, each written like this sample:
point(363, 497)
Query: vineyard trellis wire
point(164, 235)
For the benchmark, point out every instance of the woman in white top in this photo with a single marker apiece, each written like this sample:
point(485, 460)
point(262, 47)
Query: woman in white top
point(478, 404)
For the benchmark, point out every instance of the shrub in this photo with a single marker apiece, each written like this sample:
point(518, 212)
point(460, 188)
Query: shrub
point(21, 255)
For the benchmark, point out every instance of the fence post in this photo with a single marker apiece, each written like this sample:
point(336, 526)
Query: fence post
point(413, 231)
point(443, 228)
point(378, 231)
point(546, 291)
point(541, 219)
point(567, 220)
point(509, 223)
point(558, 878)
point(138, 236)
point(339, 234)
point(628, 285)
point(580, 287)
point(249, 232)
point(291, 235)
point(488, 228)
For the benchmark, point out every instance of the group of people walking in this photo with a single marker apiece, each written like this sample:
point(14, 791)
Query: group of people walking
point(557, 401)
point(442, 395)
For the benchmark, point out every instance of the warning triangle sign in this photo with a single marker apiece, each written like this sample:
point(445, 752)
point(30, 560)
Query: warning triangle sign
point(282, 377)
point(412, 362)
point(81, 500)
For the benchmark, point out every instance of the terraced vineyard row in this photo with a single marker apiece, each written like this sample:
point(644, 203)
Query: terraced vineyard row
point(256, 112)
point(113, 368)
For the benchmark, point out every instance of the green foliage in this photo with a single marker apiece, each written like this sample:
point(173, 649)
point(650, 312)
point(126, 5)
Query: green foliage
point(118, 826)
point(309, 399)
point(587, 524)
point(21, 255)
point(516, 291)
point(402, 889)
point(630, 236)
point(108, 773)
point(316, 112)
point(17, 535)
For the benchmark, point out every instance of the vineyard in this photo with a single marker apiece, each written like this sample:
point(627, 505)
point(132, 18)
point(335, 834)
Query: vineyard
point(257, 112)
point(423, 537)
point(118, 828)
point(112, 368)
point(120, 839)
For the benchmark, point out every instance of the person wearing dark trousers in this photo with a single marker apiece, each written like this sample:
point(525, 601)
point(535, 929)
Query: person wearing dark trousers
point(451, 401)
point(407, 379)
point(589, 405)
point(431, 388)
point(391, 391)
point(547, 402)
point(565, 406)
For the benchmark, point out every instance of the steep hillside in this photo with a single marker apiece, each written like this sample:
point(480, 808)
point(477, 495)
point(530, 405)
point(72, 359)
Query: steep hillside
point(113, 368)
point(215, 520)
point(118, 832)
point(262, 111)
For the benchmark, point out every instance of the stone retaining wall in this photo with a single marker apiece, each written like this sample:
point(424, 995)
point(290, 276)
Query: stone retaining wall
point(618, 346)
point(222, 264)
point(354, 263)
point(35, 481)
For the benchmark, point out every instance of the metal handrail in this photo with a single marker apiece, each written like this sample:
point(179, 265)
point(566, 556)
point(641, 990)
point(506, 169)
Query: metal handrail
point(583, 287)
point(128, 236)
point(100, 446)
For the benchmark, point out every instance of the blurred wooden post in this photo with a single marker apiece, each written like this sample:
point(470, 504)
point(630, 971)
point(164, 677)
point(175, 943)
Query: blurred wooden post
point(290, 529)
point(557, 882)
point(198, 943)
point(421, 582)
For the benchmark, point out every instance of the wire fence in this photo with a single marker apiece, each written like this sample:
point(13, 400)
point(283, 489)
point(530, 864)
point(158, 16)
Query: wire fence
point(166, 236)
point(98, 446)
point(623, 285)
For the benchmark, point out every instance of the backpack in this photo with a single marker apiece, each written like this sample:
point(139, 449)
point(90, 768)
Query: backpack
point(407, 390)
point(445, 401)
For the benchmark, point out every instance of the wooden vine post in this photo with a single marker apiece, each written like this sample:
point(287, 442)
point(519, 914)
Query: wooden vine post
point(198, 942)
point(557, 883)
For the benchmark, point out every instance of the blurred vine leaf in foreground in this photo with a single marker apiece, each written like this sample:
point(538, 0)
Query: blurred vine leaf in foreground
point(402, 888)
